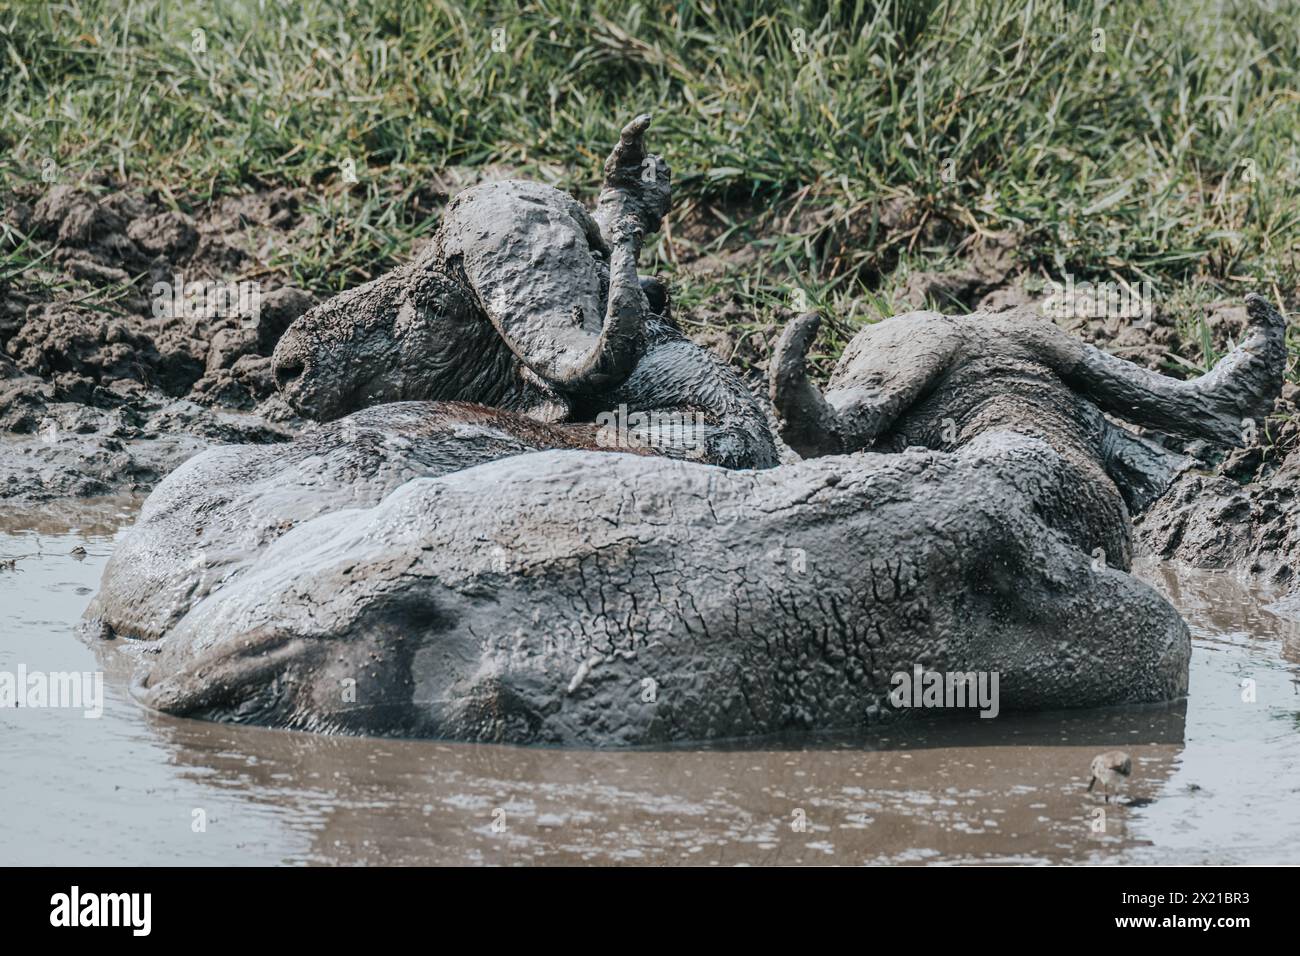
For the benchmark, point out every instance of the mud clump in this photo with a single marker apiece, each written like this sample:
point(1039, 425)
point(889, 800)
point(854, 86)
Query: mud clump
point(1211, 521)
point(85, 353)
point(1241, 516)
point(136, 332)
point(81, 451)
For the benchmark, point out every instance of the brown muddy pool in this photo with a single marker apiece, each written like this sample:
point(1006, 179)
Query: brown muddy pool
point(1216, 778)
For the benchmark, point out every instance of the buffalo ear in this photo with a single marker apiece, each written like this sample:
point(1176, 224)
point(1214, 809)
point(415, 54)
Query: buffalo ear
point(656, 294)
point(1140, 469)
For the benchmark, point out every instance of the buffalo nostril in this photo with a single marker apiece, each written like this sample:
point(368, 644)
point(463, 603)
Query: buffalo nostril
point(288, 372)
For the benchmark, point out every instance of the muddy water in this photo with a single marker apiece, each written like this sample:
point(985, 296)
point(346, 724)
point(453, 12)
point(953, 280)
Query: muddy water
point(1215, 779)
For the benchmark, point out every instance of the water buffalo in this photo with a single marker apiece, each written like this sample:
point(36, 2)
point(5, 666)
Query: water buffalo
point(965, 509)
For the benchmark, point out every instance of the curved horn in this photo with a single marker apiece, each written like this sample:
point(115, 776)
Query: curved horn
point(636, 183)
point(806, 422)
point(534, 258)
point(1243, 384)
point(631, 204)
point(616, 351)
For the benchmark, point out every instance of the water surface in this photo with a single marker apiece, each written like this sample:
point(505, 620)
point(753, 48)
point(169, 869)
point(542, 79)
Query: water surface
point(1216, 779)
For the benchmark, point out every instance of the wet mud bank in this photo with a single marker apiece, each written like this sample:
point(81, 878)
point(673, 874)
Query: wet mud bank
point(133, 335)
point(1211, 520)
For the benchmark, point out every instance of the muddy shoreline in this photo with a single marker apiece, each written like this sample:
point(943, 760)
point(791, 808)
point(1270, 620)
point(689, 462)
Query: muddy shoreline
point(107, 380)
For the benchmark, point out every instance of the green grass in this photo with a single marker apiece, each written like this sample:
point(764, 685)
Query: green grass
point(1167, 151)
